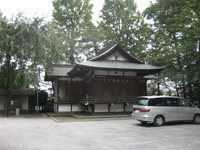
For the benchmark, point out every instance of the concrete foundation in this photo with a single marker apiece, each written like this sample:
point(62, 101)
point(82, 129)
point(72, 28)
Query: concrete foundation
point(64, 108)
point(77, 108)
point(128, 108)
point(96, 108)
point(117, 108)
point(101, 108)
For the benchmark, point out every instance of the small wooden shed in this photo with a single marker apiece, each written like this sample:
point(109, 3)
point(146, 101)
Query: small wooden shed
point(19, 101)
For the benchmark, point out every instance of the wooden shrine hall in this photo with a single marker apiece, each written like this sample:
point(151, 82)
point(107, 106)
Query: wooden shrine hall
point(109, 82)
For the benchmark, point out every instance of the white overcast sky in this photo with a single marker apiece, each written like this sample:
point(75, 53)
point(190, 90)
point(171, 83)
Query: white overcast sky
point(44, 7)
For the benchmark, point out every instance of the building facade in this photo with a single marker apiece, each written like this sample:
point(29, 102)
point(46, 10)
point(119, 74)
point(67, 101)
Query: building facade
point(109, 82)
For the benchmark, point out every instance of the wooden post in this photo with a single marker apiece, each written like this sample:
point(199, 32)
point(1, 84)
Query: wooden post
point(56, 95)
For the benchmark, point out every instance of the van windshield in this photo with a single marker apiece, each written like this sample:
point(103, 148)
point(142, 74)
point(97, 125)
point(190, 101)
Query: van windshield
point(142, 101)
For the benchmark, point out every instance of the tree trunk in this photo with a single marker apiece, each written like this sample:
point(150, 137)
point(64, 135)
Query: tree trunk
point(72, 47)
point(167, 88)
point(8, 110)
point(158, 89)
point(8, 84)
point(184, 92)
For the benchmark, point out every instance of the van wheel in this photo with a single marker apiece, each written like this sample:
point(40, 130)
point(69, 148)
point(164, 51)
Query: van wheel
point(196, 119)
point(158, 121)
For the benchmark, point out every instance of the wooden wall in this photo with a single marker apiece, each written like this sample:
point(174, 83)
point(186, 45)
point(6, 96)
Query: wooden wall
point(70, 90)
point(116, 87)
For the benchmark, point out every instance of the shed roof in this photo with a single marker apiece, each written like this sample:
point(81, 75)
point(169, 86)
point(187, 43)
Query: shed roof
point(19, 93)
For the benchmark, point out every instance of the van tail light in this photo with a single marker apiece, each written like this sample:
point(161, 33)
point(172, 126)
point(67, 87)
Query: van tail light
point(133, 109)
point(144, 110)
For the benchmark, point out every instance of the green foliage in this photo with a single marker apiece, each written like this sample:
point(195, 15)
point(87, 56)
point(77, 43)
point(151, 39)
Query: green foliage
point(73, 20)
point(25, 44)
point(19, 81)
point(92, 41)
point(175, 44)
point(26, 47)
point(43, 100)
point(122, 22)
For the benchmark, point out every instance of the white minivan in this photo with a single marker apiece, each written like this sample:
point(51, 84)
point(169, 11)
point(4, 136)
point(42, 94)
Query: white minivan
point(161, 109)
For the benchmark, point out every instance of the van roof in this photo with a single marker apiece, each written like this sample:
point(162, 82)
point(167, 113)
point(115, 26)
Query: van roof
point(157, 97)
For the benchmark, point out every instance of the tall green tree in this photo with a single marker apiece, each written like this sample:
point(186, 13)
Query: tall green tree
point(74, 20)
point(122, 21)
point(175, 43)
point(92, 42)
point(24, 45)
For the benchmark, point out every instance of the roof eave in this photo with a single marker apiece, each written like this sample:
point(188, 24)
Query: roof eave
point(77, 68)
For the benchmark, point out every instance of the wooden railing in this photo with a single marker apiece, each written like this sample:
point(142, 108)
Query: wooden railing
point(100, 99)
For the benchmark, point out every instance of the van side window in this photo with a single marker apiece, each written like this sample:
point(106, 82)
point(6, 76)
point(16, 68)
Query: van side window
point(171, 102)
point(152, 102)
point(156, 102)
point(160, 102)
point(184, 103)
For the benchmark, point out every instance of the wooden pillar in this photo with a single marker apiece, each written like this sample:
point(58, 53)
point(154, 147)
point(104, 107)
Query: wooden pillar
point(109, 105)
point(56, 95)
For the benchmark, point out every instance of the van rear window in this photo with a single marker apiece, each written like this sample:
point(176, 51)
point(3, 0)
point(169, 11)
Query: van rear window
point(143, 101)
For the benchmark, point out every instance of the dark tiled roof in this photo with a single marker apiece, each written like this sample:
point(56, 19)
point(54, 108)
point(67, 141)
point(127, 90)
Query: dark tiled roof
point(60, 70)
point(101, 61)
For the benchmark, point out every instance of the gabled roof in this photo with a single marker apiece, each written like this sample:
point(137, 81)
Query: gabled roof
point(106, 60)
point(112, 48)
point(112, 58)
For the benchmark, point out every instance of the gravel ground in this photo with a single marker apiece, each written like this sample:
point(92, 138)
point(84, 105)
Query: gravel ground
point(39, 132)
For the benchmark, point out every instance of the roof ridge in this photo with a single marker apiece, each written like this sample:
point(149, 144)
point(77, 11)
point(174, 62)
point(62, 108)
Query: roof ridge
point(63, 65)
point(108, 46)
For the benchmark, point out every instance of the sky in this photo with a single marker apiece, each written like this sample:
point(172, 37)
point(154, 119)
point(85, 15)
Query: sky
point(44, 8)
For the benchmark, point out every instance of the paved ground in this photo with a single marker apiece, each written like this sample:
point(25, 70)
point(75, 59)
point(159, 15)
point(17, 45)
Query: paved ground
point(43, 133)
